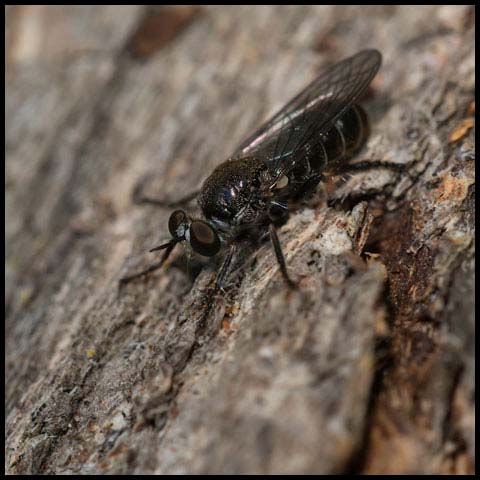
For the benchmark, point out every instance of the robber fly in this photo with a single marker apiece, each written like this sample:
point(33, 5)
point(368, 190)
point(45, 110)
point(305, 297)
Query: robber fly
point(247, 196)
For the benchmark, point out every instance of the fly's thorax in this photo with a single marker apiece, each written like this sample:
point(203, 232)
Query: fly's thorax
point(229, 190)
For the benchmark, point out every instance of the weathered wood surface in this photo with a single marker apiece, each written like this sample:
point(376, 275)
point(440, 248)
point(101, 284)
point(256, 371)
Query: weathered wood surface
point(369, 368)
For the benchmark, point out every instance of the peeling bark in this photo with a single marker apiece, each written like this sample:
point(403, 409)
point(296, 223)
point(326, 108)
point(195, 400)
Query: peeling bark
point(368, 368)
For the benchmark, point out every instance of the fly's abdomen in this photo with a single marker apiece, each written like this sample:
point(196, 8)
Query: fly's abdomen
point(346, 136)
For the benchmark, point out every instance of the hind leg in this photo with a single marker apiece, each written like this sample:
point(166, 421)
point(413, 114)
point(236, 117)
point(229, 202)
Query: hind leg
point(366, 165)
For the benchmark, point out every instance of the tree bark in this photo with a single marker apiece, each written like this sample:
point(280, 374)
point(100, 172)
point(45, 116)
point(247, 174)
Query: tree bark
point(367, 368)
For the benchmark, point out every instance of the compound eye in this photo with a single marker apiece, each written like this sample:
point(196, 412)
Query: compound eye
point(177, 219)
point(204, 239)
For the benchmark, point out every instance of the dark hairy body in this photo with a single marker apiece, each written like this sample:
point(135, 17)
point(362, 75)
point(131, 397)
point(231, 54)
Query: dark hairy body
point(243, 192)
point(248, 196)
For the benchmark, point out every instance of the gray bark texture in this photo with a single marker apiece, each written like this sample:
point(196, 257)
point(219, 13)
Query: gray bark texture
point(367, 368)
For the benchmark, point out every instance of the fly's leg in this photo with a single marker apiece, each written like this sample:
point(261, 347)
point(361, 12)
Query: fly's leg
point(140, 199)
point(181, 202)
point(366, 165)
point(224, 269)
point(280, 258)
point(218, 285)
point(151, 268)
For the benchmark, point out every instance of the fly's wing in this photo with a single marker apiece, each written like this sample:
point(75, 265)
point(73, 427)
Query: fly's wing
point(312, 113)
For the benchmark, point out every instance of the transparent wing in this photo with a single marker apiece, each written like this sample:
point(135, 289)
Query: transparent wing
point(304, 121)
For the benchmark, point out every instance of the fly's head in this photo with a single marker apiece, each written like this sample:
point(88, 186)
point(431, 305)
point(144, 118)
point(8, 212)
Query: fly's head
point(201, 236)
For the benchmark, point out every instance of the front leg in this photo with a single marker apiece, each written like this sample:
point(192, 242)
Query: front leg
point(224, 269)
point(140, 198)
point(168, 250)
point(217, 286)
